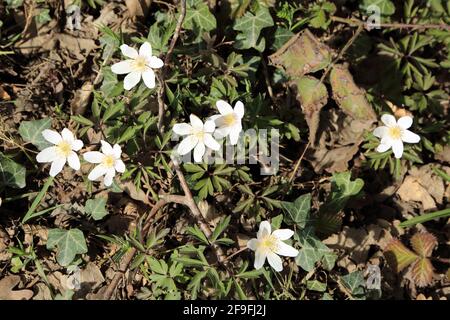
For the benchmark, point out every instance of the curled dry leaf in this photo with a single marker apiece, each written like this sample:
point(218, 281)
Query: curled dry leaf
point(302, 54)
point(138, 8)
point(412, 190)
point(7, 285)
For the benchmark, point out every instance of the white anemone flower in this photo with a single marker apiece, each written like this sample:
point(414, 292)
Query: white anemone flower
point(139, 65)
point(394, 133)
point(63, 150)
point(198, 137)
point(108, 162)
point(270, 245)
point(229, 122)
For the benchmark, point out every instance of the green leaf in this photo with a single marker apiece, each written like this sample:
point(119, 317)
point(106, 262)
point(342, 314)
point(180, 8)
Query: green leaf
point(355, 285)
point(68, 243)
point(199, 17)
point(221, 226)
point(250, 26)
point(12, 174)
point(342, 189)
point(316, 285)
point(31, 131)
point(96, 208)
point(297, 212)
point(313, 251)
point(387, 7)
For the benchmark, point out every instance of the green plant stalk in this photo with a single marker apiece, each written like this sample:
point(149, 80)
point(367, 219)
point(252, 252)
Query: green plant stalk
point(426, 217)
point(37, 200)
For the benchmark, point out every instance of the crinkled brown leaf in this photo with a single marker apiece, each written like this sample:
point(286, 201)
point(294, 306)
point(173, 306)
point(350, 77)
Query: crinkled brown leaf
point(400, 256)
point(422, 272)
point(313, 95)
point(302, 54)
point(7, 285)
point(423, 243)
point(350, 98)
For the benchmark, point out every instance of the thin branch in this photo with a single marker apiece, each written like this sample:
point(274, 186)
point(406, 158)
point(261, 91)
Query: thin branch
point(370, 26)
point(161, 77)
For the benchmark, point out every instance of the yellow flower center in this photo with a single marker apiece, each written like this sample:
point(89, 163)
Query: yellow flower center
point(199, 134)
point(109, 161)
point(139, 64)
point(64, 148)
point(395, 132)
point(229, 120)
point(268, 243)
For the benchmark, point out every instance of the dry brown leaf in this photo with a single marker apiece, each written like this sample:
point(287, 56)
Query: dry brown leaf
point(133, 192)
point(412, 190)
point(7, 285)
point(433, 183)
point(4, 95)
point(334, 160)
point(81, 99)
point(302, 54)
point(138, 8)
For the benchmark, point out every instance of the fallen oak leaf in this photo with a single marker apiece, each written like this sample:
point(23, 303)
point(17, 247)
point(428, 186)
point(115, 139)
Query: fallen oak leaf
point(7, 285)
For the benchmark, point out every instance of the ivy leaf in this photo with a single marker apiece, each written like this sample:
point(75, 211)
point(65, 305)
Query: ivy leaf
point(399, 255)
point(387, 7)
point(96, 208)
point(69, 243)
point(199, 16)
point(250, 26)
point(12, 174)
point(297, 212)
point(316, 285)
point(281, 36)
point(313, 251)
point(342, 189)
point(355, 285)
point(31, 131)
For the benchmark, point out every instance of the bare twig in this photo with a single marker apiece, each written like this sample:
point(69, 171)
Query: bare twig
point(161, 77)
point(297, 165)
point(369, 26)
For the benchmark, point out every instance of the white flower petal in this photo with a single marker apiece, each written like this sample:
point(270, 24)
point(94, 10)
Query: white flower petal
point(120, 166)
point(196, 122)
point(410, 137)
point(47, 155)
point(275, 261)
point(77, 145)
point(209, 126)
point(222, 132)
point(209, 141)
point(93, 156)
point(234, 134)
point(131, 80)
point(52, 136)
point(149, 78)
point(199, 151)
point(128, 51)
point(57, 166)
point(252, 244)
point(145, 50)
point(397, 147)
point(286, 250)
point(283, 234)
point(122, 67)
point(67, 135)
point(224, 107)
point(187, 145)
point(73, 160)
point(155, 62)
point(264, 229)
point(382, 147)
point(260, 258)
point(405, 122)
point(380, 132)
point(106, 148)
point(388, 120)
point(117, 151)
point(239, 109)
point(109, 176)
point(97, 172)
point(182, 129)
